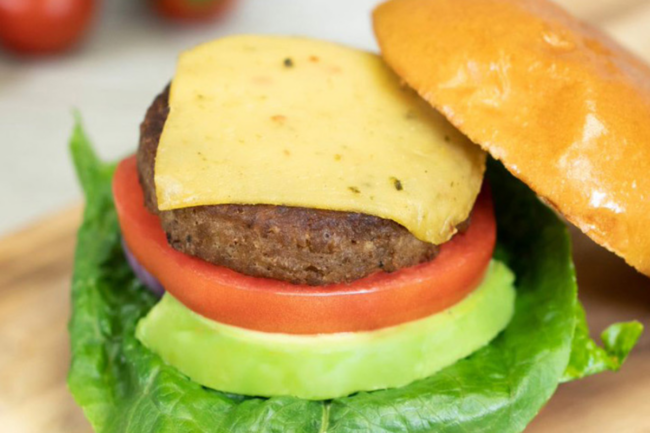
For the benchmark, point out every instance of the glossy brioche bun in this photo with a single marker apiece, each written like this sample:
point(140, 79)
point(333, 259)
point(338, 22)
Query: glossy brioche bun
point(565, 108)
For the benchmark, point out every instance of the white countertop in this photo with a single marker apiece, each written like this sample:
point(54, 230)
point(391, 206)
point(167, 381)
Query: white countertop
point(128, 59)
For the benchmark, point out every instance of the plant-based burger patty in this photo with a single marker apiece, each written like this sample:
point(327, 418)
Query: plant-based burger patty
point(298, 245)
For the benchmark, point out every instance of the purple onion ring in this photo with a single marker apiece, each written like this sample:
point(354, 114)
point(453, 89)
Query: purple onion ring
point(143, 275)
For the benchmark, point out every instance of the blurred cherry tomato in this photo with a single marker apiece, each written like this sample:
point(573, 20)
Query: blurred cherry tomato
point(191, 10)
point(43, 26)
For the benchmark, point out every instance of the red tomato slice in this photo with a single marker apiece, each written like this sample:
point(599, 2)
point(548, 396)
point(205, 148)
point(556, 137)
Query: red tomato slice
point(374, 302)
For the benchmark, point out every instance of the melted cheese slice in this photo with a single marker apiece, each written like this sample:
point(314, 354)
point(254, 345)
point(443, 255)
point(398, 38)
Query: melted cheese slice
point(299, 122)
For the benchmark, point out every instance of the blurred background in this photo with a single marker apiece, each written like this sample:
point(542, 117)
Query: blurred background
point(128, 54)
point(108, 59)
point(112, 75)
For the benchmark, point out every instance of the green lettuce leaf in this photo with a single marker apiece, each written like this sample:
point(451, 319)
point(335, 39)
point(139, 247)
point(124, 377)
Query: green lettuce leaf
point(588, 358)
point(124, 388)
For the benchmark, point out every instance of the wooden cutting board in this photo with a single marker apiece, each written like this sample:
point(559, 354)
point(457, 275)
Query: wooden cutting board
point(35, 272)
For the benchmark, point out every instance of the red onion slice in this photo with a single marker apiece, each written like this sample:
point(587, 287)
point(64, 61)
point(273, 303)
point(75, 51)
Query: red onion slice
point(143, 275)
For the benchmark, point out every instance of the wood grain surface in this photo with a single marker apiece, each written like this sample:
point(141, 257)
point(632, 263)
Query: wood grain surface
point(35, 274)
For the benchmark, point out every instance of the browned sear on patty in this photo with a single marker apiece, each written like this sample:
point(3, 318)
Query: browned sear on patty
point(298, 245)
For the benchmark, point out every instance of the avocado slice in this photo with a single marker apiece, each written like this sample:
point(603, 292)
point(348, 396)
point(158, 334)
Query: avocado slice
point(325, 366)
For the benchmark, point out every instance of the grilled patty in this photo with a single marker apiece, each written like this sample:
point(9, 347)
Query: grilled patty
point(294, 244)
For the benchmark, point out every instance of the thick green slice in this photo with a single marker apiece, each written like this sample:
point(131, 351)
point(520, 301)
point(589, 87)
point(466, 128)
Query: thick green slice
point(327, 366)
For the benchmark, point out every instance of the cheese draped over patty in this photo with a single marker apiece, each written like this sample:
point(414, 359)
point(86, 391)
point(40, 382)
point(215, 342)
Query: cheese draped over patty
point(299, 122)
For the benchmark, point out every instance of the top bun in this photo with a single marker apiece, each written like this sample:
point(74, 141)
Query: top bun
point(564, 107)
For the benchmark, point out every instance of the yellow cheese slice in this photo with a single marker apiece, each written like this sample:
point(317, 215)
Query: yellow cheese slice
point(299, 122)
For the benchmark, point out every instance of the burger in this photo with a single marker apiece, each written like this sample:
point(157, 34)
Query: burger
point(314, 238)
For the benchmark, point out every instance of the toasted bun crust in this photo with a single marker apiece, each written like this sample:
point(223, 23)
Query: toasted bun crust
point(565, 108)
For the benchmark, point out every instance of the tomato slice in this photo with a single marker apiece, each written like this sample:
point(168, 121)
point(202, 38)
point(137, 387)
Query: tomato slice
point(377, 301)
